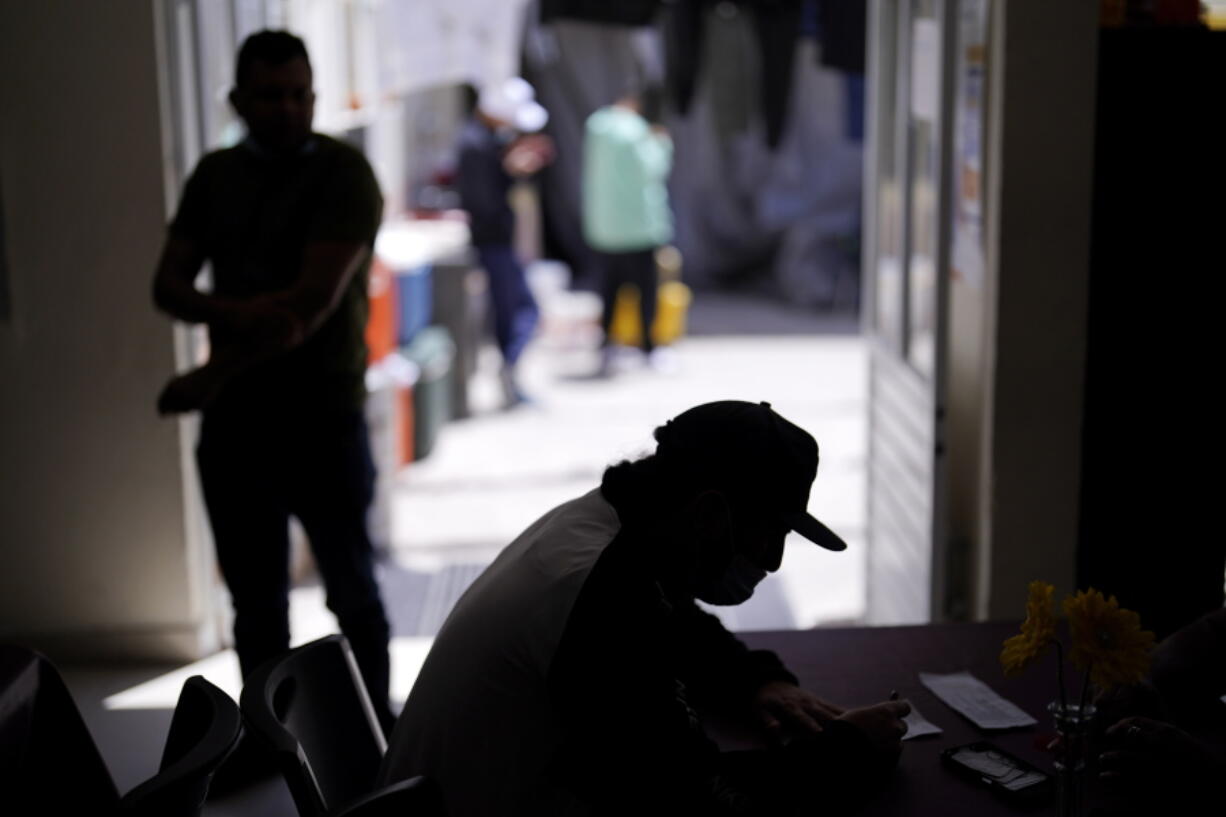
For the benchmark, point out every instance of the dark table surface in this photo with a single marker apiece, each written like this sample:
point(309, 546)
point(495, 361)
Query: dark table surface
point(860, 666)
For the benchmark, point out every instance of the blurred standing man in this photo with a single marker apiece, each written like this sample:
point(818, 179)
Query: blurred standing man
point(288, 220)
point(499, 145)
point(626, 216)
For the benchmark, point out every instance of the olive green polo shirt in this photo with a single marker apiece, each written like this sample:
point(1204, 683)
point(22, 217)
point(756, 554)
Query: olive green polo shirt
point(253, 214)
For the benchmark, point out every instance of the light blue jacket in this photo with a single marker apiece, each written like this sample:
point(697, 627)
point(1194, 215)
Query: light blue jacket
point(625, 171)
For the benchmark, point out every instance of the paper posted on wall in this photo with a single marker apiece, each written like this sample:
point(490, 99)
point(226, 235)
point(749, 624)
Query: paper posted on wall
point(975, 700)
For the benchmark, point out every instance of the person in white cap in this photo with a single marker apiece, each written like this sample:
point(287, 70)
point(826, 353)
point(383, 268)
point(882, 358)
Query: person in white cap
point(499, 144)
point(564, 681)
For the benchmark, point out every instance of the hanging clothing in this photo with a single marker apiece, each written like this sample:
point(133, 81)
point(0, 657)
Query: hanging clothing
point(623, 12)
point(776, 27)
point(785, 219)
point(843, 33)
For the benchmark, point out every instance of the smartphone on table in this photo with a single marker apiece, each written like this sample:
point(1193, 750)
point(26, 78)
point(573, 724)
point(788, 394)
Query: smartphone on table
point(1007, 774)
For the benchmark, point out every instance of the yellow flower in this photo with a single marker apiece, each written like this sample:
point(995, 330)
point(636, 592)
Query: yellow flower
point(1038, 630)
point(1107, 639)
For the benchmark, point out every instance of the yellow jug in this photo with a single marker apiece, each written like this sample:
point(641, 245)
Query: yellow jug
point(672, 303)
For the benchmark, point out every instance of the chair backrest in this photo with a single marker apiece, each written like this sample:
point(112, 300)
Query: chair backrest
point(205, 729)
point(49, 763)
point(311, 706)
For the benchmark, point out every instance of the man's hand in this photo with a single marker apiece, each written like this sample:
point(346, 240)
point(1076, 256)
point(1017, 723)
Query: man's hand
point(1118, 703)
point(266, 324)
point(883, 724)
point(1152, 761)
point(786, 710)
point(528, 154)
point(190, 391)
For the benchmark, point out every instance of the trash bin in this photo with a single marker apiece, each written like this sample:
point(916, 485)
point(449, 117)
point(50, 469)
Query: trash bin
point(381, 334)
point(458, 287)
point(433, 352)
point(389, 420)
point(414, 301)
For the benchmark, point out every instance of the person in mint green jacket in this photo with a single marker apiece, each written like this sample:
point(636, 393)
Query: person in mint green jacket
point(626, 215)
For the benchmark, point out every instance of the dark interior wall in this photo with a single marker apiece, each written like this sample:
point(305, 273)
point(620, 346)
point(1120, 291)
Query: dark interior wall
point(1152, 450)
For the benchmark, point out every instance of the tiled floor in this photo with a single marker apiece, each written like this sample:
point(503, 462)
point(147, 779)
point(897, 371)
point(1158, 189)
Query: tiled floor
point(492, 474)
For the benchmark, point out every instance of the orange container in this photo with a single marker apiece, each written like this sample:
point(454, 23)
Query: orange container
point(381, 323)
point(404, 411)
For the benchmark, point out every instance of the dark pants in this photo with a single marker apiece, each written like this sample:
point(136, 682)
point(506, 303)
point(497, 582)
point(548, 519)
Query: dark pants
point(637, 268)
point(256, 474)
point(515, 310)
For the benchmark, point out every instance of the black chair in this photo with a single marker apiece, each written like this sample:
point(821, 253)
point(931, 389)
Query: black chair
point(311, 707)
point(205, 729)
point(50, 764)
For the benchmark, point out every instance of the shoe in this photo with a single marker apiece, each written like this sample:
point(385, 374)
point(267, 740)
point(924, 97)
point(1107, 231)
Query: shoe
point(517, 397)
point(662, 359)
point(608, 362)
point(512, 394)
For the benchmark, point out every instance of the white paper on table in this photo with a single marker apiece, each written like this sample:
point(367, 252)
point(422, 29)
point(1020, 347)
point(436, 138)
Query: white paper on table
point(975, 700)
point(918, 725)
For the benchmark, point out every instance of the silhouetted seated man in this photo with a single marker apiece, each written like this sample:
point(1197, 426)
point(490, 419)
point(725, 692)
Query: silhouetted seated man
point(566, 680)
point(1165, 746)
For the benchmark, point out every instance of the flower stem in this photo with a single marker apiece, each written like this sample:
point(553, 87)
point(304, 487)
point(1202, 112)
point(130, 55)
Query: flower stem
point(1085, 687)
point(1060, 674)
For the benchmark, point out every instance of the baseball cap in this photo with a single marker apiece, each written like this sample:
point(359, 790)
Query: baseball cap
point(513, 101)
point(751, 451)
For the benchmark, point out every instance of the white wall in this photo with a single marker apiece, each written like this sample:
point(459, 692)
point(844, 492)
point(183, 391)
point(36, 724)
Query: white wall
point(1038, 235)
point(95, 553)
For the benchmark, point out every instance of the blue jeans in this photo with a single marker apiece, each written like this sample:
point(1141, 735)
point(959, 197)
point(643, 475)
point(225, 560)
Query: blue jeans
point(255, 474)
point(515, 310)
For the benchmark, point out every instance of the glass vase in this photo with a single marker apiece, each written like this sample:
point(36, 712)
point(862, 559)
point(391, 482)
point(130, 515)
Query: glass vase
point(1073, 724)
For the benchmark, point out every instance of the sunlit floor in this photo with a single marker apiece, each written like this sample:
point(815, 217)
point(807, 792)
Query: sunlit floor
point(492, 474)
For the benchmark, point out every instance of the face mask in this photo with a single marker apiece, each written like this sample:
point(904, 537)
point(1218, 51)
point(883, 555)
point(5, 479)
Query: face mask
point(736, 585)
